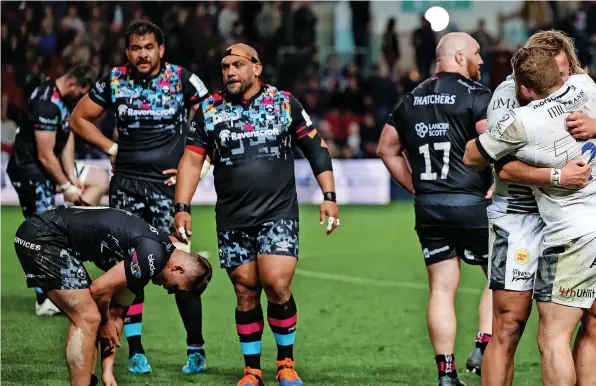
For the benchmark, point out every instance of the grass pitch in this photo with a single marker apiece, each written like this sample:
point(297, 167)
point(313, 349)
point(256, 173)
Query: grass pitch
point(361, 296)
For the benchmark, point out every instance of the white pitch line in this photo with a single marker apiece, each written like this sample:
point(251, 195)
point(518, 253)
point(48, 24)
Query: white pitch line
point(376, 282)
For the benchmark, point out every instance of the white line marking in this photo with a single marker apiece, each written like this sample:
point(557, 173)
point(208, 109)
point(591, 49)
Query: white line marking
point(376, 282)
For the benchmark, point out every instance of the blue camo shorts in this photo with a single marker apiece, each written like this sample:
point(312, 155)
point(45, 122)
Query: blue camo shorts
point(241, 246)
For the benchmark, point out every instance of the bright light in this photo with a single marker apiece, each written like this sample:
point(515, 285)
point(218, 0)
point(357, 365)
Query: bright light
point(438, 18)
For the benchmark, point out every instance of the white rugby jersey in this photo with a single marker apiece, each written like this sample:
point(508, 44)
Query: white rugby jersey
point(514, 198)
point(537, 134)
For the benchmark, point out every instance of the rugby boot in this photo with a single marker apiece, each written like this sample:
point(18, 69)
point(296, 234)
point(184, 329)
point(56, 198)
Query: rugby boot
point(47, 308)
point(286, 375)
point(138, 364)
point(474, 362)
point(252, 377)
point(196, 363)
point(446, 380)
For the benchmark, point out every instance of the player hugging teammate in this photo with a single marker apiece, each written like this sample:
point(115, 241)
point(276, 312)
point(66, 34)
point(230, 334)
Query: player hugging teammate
point(532, 238)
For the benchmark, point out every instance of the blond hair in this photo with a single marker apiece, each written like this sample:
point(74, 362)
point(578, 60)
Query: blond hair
point(554, 42)
point(537, 69)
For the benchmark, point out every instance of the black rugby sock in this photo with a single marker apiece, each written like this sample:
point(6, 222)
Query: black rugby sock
point(133, 325)
point(191, 312)
point(446, 365)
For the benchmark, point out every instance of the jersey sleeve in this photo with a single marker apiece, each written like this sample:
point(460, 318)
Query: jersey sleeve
point(45, 115)
point(480, 105)
point(302, 125)
point(101, 92)
point(197, 139)
point(146, 260)
point(505, 137)
point(501, 102)
point(395, 117)
point(193, 88)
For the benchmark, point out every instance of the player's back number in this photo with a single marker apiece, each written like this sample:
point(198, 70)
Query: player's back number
point(425, 151)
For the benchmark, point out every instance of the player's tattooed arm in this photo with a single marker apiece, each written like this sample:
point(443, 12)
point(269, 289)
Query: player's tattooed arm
point(574, 175)
point(393, 155)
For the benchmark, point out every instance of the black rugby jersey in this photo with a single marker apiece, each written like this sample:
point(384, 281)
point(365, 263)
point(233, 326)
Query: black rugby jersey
point(107, 236)
point(434, 123)
point(45, 110)
point(151, 117)
point(251, 145)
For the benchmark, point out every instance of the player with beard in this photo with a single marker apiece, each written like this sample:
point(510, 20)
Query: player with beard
point(516, 228)
point(151, 100)
point(429, 130)
point(565, 286)
point(43, 158)
point(249, 131)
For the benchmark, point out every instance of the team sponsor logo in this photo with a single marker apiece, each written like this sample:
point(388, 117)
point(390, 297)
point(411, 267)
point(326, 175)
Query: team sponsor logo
point(427, 254)
point(100, 86)
point(226, 116)
point(124, 110)
point(283, 246)
point(48, 121)
point(151, 265)
point(521, 256)
point(577, 292)
point(81, 273)
point(153, 229)
point(432, 129)
point(519, 275)
point(225, 135)
point(504, 103)
point(434, 99)
point(27, 244)
point(32, 276)
point(135, 269)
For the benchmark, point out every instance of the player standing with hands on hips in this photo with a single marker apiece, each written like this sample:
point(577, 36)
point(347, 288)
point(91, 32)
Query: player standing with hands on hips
point(151, 100)
point(249, 131)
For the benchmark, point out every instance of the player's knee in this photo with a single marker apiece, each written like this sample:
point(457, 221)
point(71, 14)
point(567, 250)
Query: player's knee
point(509, 326)
point(246, 298)
point(89, 319)
point(277, 290)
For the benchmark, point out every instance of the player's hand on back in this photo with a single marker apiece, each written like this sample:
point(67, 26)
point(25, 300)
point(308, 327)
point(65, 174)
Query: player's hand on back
point(172, 180)
point(183, 226)
point(329, 209)
point(581, 126)
point(576, 174)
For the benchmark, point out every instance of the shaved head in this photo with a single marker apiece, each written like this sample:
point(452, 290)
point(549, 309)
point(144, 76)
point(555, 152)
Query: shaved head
point(459, 52)
point(244, 47)
point(241, 68)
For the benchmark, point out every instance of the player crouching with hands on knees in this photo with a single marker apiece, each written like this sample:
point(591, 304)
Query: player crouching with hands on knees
point(52, 247)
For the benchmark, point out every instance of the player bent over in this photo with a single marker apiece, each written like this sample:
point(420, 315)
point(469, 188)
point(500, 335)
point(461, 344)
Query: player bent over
point(52, 247)
point(249, 131)
point(565, 286)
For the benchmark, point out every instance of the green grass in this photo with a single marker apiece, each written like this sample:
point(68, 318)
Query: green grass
point(365, 325)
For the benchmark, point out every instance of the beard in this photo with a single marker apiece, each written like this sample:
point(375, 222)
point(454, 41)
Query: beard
point(239, 87)
point(144, 73)
point(520, 98)
point(473, 71)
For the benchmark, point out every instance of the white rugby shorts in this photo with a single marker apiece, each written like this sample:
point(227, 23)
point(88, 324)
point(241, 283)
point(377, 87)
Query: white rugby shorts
point(567, 273)
point(515, 243)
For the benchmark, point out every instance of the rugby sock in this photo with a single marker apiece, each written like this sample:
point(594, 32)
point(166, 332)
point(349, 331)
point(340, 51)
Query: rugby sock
point(191, 312)
point(482, 340)
point(249, 325)
point(446, 365)
point(133, 325)
point(41, 296)
point(282, 319)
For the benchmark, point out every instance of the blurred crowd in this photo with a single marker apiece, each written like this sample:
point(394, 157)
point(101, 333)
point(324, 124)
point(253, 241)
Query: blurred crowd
point(349, 102)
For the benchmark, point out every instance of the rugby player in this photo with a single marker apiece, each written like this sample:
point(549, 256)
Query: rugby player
point(432, 124)
point(515, 228)
point(249, 131)
point(43, 158)
point(151, 100)
point(565, 286)
point(52, 247)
